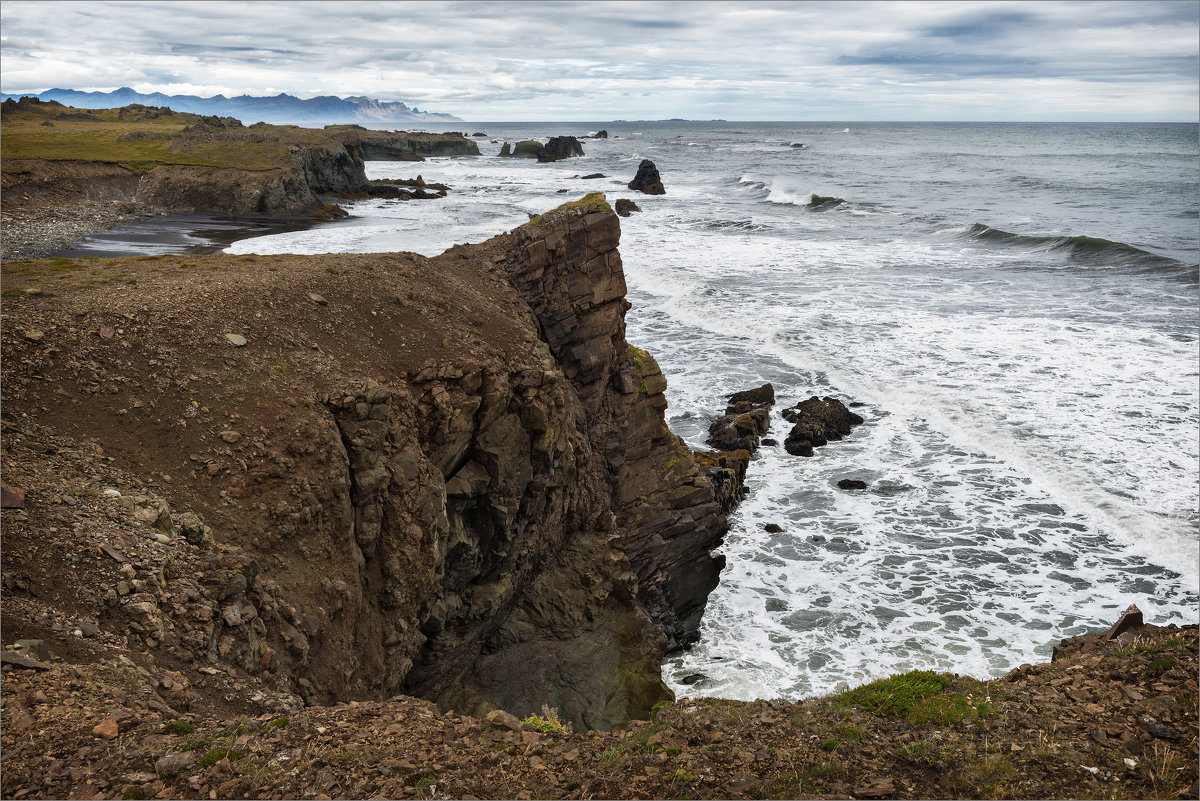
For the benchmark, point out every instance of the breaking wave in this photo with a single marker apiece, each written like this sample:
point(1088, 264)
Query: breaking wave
point(1089, 251)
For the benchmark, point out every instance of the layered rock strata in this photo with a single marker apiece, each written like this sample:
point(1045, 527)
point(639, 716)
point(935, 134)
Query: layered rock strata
point(379, 474)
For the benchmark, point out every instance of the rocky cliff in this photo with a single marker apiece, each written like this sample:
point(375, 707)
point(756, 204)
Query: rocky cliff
point(168, 161)
point(449, 477)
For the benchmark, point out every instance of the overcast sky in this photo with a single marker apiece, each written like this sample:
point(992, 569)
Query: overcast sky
point(496, 61)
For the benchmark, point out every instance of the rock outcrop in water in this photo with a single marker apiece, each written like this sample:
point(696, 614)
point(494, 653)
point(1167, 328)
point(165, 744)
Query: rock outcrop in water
point(747, 417)
point(560, 147)
point(526, 149)
point(446, 477)
point(817, 421)
point(647, 179)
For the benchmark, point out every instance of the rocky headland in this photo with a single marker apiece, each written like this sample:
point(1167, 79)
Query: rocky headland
point(68, 172)
point(383, 525)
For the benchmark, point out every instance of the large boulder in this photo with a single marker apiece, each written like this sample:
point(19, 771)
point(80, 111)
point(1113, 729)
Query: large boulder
point(625, 207)
point(560, 147)
point(506, 149)
point(816, 422)
point(527, 149)
point(647, 179)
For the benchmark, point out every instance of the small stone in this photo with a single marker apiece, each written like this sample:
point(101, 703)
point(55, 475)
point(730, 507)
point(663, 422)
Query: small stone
point(230, 436)
point(107, 332)
point(11, 497)
point(1131, 763)
point(174, 764)
point(123, 587)
point(502, 719)
point(35, 336)
point(89, 629)
point(17, 659)
point(112, 493)
point(35, 648)
point(232, 615)
point(107, 728)
point(237, 340)
point(317, 299)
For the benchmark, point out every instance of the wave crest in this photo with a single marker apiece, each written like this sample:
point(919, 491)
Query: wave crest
point(1088, 251)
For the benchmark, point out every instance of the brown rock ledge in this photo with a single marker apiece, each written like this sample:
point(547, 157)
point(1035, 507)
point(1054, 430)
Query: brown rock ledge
point(452, 480)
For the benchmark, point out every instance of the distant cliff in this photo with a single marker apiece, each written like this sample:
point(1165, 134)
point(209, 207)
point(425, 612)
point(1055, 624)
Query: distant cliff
point(281, 108)
point(174, 161)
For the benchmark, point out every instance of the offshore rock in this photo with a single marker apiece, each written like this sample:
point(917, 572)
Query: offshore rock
point(625, 207)
point(747, 417)
point(817, 421)
point(560, 147)
point(647, 179)
point(527, 149)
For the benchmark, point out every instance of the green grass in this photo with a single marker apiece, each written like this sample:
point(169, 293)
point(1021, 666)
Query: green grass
point(180, 727)
point(920, 696)
point(217, 754)
point(592, 201)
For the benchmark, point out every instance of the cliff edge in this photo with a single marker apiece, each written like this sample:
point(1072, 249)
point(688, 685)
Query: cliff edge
point(352, 476)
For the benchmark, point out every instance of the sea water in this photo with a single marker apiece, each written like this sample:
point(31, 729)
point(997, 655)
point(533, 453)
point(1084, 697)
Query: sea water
point(1015, 306)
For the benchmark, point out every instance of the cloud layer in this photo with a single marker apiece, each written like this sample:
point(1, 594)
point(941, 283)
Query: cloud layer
point(605, 60)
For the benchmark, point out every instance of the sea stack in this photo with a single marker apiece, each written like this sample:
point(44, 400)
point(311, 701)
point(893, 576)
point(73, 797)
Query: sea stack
point(647, 179)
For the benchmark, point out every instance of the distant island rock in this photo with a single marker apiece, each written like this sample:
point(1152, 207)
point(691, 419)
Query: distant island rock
point(282, 108)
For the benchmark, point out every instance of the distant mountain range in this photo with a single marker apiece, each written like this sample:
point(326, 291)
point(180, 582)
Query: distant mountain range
point(281, 108)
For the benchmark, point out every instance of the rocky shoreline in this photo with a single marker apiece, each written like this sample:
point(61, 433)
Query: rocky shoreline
point(257, 508)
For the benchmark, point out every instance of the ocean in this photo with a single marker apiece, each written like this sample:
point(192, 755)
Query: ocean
point(1016, 306)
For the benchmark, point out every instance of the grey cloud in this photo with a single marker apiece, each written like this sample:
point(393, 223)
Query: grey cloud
point(702, 55)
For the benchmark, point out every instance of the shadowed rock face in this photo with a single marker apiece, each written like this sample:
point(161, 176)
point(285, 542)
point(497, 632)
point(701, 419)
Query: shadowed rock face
point(647, 179)
point(560, 147)
point(465, 491)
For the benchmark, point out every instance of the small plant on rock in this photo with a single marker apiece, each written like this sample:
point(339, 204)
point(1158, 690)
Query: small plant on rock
point(548, 721)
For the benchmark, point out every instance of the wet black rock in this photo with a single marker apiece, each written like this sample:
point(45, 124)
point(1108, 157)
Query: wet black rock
point(773, 528)
point(747, 417)
point(625, 207)
point(560, 147)
point(851, 484)
point(647, 179)
point(817, 421)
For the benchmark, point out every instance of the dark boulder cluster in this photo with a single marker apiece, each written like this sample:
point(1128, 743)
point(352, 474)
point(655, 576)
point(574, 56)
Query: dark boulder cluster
point(625, 207)
point(817, 421)
point(735, 435)
point(747, 417)
point(560, 147)
point(647, 179)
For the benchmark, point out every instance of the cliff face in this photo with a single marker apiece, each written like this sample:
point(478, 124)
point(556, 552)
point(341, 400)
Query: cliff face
point(183, 162)
point(446, 477)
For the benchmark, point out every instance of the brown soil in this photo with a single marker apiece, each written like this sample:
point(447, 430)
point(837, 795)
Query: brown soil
point(1118, 725)
point(88, 344)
